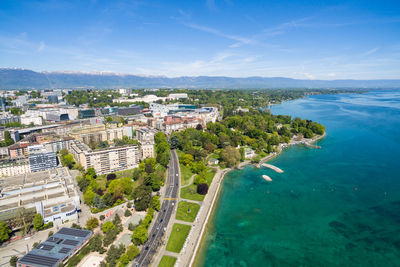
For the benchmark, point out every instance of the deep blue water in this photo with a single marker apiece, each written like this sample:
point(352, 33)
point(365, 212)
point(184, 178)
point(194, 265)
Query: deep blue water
point(335, 206)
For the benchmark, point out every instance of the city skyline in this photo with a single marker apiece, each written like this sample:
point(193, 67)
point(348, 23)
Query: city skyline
point(340, 40)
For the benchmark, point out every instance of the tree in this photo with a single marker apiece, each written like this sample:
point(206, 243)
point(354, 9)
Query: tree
point(139, 235)
point(107, 226)
point(198, 167)
point(156, 203)
point(13, 261)
point(202, 189)
point(5, 231)
point(174, 141)
point(142, 197)
point(50, 234)
point(89, 196)
point(111, 176)
point(230, 156)
point(96, 243)
point(109, 119)
point(92, 223)
point(91, 172)
point(127, 213)
point(187, 159)
point(136, 174)
point(199, 127)
point(132, 252)
point(68, 161)
point(38, 221)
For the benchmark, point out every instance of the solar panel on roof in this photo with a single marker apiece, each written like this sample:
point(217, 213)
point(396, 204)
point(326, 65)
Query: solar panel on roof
point(64, 250)
point(34, 259)
point(53, 239)
point(70, 242)
point(73, 232)
point(46, 247)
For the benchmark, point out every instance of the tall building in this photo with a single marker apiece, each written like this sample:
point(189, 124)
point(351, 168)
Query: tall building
point(86, 113)
point(106, 160)
point(40, 159)
point(145, 137)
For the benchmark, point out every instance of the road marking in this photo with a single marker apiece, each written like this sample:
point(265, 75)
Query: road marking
point(170, 198)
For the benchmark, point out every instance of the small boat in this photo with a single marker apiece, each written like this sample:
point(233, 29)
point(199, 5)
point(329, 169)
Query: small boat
point(267, 178)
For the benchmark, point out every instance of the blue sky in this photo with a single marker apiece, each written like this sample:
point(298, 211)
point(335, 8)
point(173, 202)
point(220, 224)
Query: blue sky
point(297, 39)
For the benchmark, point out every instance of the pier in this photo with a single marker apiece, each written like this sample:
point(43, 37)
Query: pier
point(272, 167)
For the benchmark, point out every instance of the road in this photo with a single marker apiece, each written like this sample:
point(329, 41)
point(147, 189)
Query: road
point(169, 203)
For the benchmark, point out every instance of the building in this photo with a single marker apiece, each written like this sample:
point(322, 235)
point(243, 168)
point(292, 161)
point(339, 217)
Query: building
point(51, 193)
point(57, 116)
point(20, 149)
point(53, 98)
point(86, 113)
point(56, 249)
point(249, 153)
point(12, 167)
point(106, 160)
point(172, 124)
point(177, 96)
point(145, 137)
point(213, 161)
point(40, 159)
point(31, 119)
point(133, 110)
point(9, 119)
point(99, 133)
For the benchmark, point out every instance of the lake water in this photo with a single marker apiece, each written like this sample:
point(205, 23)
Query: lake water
point(335, 206)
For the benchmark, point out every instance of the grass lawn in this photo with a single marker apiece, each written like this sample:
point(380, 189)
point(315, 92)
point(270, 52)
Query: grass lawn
point(210, 175)
point(178, 236)
point(183, 214)
point(167, 261)
point(186, 173)
point(190, 192)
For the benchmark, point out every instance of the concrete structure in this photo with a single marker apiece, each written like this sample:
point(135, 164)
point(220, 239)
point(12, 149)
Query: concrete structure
point(99, 133)
point(249, 153)
point(9, 119)
point(133, 110)
point(20, 149)
point(171, 124)
point(40, 159)
point(177, 96)
point(51, 193)
point(106, 160)
point(56, 249)
point(12, 167)
point(86, 113)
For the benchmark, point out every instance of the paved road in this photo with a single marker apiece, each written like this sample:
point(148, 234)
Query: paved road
point(170, 201)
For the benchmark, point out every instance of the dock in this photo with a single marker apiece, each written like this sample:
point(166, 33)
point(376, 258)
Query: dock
point(272, 167)
point(311, 145)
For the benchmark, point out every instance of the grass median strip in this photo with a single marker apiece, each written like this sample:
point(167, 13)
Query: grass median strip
point(187, 211)
point(178, 236)
point(167, 261)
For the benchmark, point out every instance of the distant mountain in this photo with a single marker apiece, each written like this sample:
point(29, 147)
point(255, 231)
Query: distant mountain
point(28, 79)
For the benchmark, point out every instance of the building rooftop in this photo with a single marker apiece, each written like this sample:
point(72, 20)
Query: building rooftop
point(57, 248)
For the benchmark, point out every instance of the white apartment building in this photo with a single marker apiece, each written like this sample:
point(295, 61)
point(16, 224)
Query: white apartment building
point(106, 160)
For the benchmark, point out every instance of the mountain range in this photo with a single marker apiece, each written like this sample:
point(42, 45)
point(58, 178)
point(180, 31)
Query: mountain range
point(28, 79)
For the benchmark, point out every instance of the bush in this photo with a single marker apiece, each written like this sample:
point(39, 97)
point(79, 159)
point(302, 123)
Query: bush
point(107, 226)
point(50, 234)
point(202, 189)
point(131, 227)
point(92, 223)
point(127, 213)
point(35, 245)
point(102, 217)
point(111, 176)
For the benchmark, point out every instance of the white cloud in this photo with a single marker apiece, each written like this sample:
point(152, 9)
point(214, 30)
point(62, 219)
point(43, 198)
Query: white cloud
point(41, 47)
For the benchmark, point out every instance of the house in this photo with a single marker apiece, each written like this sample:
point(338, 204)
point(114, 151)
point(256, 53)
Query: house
point(249, 153)
point(213, 161)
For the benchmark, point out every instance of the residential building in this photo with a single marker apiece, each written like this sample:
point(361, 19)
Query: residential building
point(177, 96)
point(133, 110)
point(11, 167)
point(56, 249)
point(249, 153)
point(145, 137)
point(40, 159)
point(172, 124)
point(28, 119)
point(108, 159)
point(19, 149)
point(53, 98)
point(9, 119)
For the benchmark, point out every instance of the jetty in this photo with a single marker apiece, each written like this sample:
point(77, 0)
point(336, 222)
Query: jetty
point(267, 178)
point(310, 145)
point(272, 167)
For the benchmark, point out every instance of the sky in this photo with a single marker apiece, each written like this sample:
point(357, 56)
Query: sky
point(302, 39)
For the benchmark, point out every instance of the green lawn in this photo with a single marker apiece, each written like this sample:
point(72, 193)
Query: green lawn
point(190, 192)
point(187, 211)
point(186, 173)
point(210, 175)
point(167, 261)
point(178, 236)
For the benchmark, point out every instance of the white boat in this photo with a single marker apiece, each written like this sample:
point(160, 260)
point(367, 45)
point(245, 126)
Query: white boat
point(267, 178)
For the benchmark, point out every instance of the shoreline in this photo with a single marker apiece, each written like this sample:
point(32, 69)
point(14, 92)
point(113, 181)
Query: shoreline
point(241, 165)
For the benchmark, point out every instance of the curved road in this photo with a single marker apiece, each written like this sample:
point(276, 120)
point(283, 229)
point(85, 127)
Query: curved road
point(170, 200)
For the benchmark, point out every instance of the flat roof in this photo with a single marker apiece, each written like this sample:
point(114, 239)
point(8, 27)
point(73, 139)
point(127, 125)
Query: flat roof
point(57, 248)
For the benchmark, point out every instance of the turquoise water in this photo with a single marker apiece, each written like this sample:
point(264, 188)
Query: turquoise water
point(335, 206)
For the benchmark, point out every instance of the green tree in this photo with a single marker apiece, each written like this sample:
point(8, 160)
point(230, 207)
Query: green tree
point(156, 202)
point(38, 221)
point(230, 156)
point(91, 172)
point(96, 243)
point(132, 251)
point(13, 261)
point(89, 196)
point(92, 223)
point(5, 231)
point(127, 213)
point(143, 197)
point(139, 235)
point(187, 159)
point(107, 226)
